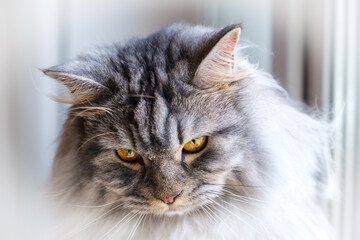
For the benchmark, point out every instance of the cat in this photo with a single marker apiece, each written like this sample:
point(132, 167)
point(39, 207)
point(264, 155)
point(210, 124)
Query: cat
point(178, 136)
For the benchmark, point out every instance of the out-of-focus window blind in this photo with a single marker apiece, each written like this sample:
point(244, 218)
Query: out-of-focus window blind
point(345, 79)
point(316, 57)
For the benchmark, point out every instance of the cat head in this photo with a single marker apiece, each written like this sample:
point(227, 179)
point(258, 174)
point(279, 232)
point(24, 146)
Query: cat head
point(159, 124)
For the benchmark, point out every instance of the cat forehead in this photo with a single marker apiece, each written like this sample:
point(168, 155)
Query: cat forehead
point(143, 122)
point(155, 65)
point(172, 53)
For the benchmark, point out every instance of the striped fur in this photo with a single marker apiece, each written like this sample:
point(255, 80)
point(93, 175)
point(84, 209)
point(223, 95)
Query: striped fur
point(262, 175)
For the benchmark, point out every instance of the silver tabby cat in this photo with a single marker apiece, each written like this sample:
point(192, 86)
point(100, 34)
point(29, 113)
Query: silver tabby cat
point(178, 136)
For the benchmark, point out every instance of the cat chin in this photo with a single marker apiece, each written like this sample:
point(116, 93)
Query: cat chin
point(170, 211)
point(179, 210)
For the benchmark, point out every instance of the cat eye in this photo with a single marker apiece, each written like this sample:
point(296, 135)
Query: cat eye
point(127, 155)
point(195, 145)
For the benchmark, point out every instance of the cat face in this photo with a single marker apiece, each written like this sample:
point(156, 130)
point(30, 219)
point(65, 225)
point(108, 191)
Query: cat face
point(157, 130)
point(157, 124)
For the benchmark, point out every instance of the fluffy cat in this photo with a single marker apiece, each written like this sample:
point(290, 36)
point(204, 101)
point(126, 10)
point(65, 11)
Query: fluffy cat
point(178, 136)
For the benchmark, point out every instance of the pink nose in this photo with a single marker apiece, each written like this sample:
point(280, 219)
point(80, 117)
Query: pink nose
point(170, 200)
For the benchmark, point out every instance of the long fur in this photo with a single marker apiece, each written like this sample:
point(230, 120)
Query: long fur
point(275, 189)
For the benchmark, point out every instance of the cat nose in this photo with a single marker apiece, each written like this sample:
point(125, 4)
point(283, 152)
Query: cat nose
point(170, 200)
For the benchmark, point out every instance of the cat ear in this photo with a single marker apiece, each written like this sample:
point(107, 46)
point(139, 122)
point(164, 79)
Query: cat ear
point(82, 88)
point(217, 68)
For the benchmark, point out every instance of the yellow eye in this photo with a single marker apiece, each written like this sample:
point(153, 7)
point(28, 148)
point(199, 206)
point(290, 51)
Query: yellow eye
point(127, 155)
point(195, 145)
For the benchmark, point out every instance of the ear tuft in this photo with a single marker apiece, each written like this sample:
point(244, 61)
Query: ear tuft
point(218, 67)
point(82, 89)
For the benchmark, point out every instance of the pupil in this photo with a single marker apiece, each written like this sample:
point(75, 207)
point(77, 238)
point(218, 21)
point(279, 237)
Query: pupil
point(193, 141)
point(130, 153)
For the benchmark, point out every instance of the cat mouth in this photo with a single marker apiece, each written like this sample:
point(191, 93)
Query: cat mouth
point(158, 208)
point(175, 209)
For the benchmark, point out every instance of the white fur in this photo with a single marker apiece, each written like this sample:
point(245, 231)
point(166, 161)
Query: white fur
point(287, 205)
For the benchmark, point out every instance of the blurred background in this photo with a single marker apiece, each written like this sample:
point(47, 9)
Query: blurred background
point(311, 47)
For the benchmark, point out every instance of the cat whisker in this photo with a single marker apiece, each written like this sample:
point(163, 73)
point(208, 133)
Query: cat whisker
point(241, 198)
point(198, 212)
point(236, 185)
point(276, 184)
point(245, 201)
point(126, 218)
point(205, 211)
point(220, 219)
point(236, 198)
point(95, 206)
point(99, 135)
point(239, 218)
point(72, 233)
point(212, 215)
point(244, 197)
point(91, 110)
point(133, 230)
point(216, 217)
point(51, 194)
point(258, 220)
